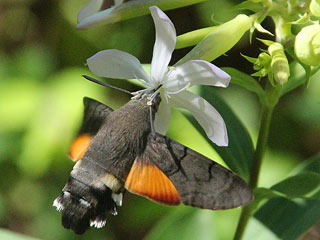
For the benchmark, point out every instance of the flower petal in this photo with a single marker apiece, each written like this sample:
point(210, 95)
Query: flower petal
point(208, 117)
point(164, 45)
point(91, 8)
point(195, 72)
point(116, 64)
point(162, 118)
point(97, 12)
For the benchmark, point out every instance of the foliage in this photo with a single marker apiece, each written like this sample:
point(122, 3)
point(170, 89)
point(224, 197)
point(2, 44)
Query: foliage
point(41, 89)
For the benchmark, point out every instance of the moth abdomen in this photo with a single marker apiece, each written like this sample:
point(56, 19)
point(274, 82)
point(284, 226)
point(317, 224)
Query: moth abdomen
point(83, 205)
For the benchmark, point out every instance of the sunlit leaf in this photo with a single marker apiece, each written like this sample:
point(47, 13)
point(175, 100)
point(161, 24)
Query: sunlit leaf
point(55, 122)
point(303, 182)
point(6, 234)
point(310, 165)
point(22, 96)
point(249, 5)
point(131, 9)
point(303, 185)
point(265, 193)
point(192, 38)
point(297, 77)
point(289, 219)
point(185, 223)
point(244, 80)
point(239, 153)
point(258, 231)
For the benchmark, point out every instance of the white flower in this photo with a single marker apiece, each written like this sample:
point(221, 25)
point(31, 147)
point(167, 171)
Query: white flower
point(95, 12)
point(174, 81)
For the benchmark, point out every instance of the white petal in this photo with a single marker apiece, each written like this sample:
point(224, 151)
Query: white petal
point(116, 64)
point(96, 12)
point(164, 45)
point(162, 118)
point(195, 72)
point(207, 116)
point(91, 8)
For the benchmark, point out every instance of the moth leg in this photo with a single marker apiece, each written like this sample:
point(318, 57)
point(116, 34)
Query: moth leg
point(153, 132)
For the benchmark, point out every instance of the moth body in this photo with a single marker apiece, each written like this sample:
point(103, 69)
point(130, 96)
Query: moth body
point(96, 183)
point(117, 151)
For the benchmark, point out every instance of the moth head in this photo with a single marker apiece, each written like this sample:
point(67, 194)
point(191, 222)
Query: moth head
point(150, 96)
point(83, 206)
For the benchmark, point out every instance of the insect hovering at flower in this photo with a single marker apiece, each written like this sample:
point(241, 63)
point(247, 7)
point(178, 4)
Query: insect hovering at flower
point(118, 151)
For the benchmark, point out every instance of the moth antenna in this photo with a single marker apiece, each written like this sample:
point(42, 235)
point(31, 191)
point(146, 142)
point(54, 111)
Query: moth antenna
point(105, 84)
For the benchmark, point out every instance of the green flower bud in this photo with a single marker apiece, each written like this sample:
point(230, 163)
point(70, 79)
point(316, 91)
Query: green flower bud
point(264, 59)
point(279, 63)
point(307, 45)
point(222, 39)
point(315, 7)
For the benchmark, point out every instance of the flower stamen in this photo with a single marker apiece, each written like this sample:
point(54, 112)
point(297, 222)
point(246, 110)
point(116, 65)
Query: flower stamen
point(180, 90)
point(157, 90)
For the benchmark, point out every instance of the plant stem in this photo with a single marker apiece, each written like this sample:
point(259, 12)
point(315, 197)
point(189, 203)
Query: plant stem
point(255, 170)
point(261, 146)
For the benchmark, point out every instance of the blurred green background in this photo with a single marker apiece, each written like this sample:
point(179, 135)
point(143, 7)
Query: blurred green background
point(42, 59)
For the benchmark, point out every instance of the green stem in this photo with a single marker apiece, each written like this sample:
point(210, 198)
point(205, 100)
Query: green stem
point(243, 221)
point(261, 146)
point(272, 96)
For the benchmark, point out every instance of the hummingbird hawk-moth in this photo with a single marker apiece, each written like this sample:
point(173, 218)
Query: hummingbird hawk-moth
point(117, 151)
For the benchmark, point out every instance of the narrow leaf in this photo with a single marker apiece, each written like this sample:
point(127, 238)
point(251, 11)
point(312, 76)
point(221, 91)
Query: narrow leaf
point(244, 80)
point(185, 223)
point(238, 155)
point(289, 219)
point(6, 234)
point(310, 165)
point(297, 77)
point(131, 9)
point(192, 38)
point(303, 185)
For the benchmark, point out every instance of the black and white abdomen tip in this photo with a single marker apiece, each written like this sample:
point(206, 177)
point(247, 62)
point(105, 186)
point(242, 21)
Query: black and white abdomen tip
point(83, 206)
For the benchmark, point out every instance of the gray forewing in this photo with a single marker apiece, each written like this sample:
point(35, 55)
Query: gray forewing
point(200, 181)
point(95, 114)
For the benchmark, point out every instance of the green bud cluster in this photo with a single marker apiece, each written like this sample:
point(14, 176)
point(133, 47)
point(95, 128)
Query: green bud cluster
point(307, 45)
point(315, 8)
point(279, 63)
point(272, 63)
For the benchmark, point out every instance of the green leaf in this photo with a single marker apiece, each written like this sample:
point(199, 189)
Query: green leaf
point(6, 234)
point(220, 40)
point(297, 77)
point(304, 185)
point(133, 9)
point(244, 80)
point(265, 193)
point(239, 154)
point(185, 223)
point(289, 219)
point(310, 165)
point(249, 5)
point(249, 59)
point(303, 182)
point(192, 38)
